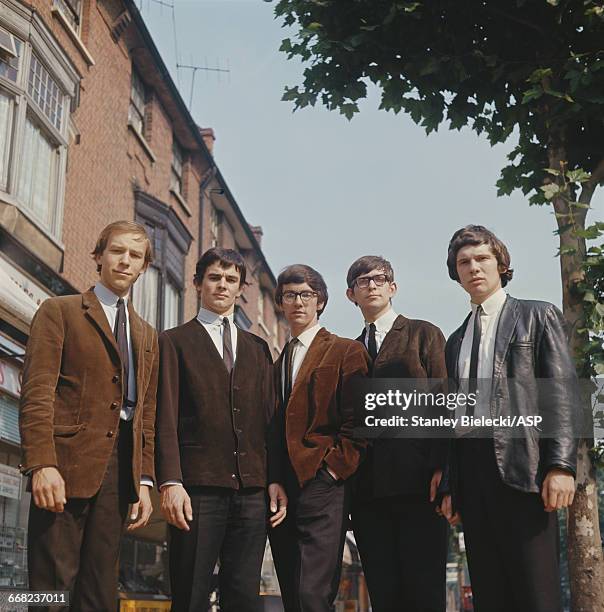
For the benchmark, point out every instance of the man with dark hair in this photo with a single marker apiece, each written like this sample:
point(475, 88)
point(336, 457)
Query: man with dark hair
point(401, 540)
point(315, 416)
point(215, 403)
point(87, 418)
point(508, 485)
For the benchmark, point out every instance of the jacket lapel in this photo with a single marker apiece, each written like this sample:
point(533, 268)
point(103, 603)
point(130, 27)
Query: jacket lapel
point(94, 311)
point(454, 348)
point(313, 356)
point(505, 329)
point(392, 340)
point(136, 337)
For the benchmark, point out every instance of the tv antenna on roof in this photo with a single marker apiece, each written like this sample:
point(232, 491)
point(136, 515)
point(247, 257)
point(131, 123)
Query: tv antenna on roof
point(218, 70)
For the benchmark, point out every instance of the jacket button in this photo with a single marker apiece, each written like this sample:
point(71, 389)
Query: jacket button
point(114, 405)
point(234, 452)
point(239, 431)
point(115, 379)
point(110, 434)
point(233, 476)
point(236, 410)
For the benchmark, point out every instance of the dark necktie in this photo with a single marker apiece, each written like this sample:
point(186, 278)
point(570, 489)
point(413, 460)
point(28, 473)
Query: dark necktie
point(473, 382)
point(227, 346)
point(121, 338)
point(288, 359)
point(371, 342)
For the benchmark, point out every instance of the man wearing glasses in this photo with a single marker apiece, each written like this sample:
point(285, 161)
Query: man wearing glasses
point(401, 539)
point(315, 416)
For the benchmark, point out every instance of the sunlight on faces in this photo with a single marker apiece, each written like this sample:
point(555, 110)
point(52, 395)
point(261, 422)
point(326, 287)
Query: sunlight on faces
point(478, 271)
point(373, 301)
point(220, 288)
point(122, 261)
point(300, 316)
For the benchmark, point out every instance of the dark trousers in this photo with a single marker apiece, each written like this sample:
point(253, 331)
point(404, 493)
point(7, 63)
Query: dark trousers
point(77, 550)
point(307, 547)
point(229, 525)
point(403, 548)
point(511, 542)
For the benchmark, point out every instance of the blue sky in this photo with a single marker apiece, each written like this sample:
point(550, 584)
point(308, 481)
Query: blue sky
point(326, 190)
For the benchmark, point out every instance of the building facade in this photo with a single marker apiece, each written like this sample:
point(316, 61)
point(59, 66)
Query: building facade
point(92, 130)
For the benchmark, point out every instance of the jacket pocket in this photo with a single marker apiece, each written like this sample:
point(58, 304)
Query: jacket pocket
point(65, 431)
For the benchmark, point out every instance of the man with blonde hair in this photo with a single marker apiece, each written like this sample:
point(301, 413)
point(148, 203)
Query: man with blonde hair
point(87, 417)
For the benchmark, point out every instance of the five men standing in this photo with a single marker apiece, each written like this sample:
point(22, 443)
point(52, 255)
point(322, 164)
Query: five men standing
point(235, 433)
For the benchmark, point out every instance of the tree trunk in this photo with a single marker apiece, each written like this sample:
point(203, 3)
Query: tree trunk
point(586, 564)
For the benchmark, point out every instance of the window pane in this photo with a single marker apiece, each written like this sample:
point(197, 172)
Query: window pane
point(71, 11)
point(6, 134)
point(171, 306)
point(138, 93)
point(45, 92)
point(9, 66)
point(37, 175)
point(144, 295)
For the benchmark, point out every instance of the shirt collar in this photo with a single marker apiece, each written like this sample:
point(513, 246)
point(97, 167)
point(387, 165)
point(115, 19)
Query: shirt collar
point(307, 336)
point(384, 323)
point(106, 296)
point(493, 304)
point(208, 317)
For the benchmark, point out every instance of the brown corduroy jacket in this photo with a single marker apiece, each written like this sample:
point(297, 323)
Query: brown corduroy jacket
point(317, 424)
point(71, 392)
point(212, 426)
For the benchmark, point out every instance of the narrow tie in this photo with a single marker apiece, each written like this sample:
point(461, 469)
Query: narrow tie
point(121, 338)
point(473, 382)
point(289, 369)
point(227, 347)
point(371, 342)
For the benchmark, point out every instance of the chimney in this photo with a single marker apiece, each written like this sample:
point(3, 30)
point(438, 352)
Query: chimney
point(257, 231)
point(208, 137)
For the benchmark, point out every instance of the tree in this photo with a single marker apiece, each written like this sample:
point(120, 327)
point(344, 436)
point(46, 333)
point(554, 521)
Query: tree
point(527, 68)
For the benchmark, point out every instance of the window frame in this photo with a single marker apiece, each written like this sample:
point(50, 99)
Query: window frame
point(171, 241)
point(33, 39)
point(135, 79)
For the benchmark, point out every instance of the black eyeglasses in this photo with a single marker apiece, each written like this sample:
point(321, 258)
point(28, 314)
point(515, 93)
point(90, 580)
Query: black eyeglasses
point(363, 281)
point(289, 297)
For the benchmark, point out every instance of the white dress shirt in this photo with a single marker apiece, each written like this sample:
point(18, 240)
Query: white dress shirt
point(491, 311)
point(300, 349)
point(382, 326)
point(108, 301)
point(212, 323)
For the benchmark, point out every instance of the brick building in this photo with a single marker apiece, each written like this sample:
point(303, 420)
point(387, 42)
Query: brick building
point(93, 129)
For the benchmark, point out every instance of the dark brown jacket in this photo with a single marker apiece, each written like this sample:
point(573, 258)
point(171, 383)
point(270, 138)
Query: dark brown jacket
point(318, 422)
point(212, 426)
point(411, 349)
point(72, 392)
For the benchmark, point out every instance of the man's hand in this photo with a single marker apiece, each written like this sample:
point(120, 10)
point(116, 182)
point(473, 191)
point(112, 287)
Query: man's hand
point(446, 510)
point(48, 489)
point(176, 506)
point(278, 503)
point(558, 490)
point(434, 483)
point(141, 509)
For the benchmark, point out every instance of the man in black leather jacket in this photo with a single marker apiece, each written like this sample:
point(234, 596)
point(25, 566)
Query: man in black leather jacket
point(507, 483)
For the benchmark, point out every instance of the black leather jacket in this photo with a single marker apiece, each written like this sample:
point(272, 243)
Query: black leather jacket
point(530, 343)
